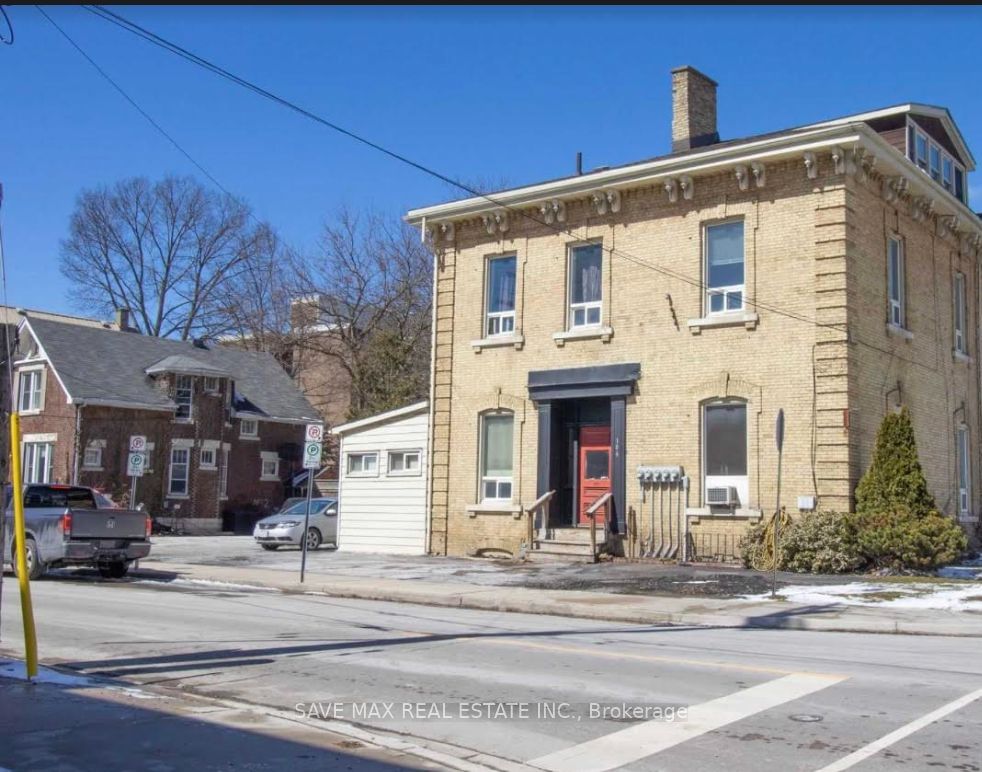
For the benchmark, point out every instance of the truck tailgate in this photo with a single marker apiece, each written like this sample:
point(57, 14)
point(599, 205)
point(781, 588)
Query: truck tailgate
point(108, 524)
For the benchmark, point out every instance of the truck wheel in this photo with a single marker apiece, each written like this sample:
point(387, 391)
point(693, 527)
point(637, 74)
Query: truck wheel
point(270, 547)
point(35, 566)
point(113, 570)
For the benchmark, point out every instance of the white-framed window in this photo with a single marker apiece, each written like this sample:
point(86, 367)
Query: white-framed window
point(404, 462)
point(92, 456)
point(499, 315)
point(183, 394)
point(964, 461)
point(211, 383)
point(585, 286)
point(896, 282)
point(725, 280)
point(724, 440)
point(31, 394)
point(248, 427)
point(497, 432)
point(931, 158)
point(177, 480)
point(38, 461)
point(223, 476)
point(148, 458)
point(270, 469)
point(958, 293)
point(362, 464)
point(207, 458)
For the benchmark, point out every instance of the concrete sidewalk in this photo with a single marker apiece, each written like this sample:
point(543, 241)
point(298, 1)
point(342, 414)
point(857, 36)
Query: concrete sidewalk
point(639, 609)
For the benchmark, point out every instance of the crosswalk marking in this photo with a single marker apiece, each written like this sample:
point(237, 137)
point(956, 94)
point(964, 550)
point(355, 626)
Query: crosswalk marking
point(899, 734)
point(629, 745)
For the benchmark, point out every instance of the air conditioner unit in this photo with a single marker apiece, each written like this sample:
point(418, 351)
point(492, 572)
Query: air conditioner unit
point(721, 497)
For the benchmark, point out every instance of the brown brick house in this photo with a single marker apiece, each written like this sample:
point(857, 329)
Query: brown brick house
point(224, 426)
point(635, 330)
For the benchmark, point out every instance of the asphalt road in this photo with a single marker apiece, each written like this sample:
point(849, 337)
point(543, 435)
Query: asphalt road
point(713, 699)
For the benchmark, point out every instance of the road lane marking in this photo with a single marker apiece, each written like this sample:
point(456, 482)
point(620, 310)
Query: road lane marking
point(637, 742)
point(907, 729)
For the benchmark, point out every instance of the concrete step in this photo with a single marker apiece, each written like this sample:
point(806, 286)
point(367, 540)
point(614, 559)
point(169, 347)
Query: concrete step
point(551, 556)
point(561, 547)
point(573, 535)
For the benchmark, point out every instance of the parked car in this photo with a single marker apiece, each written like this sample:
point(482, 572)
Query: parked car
point(289, 503)
point(65, 526)
point(286, 526)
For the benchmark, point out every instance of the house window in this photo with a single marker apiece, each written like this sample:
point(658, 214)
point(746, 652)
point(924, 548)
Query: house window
point(935, 163)
point(177, 484)
point(223, 476)
point(724, 267)
point(585, 286)
point(92, 458)
point(211, 383)
point(270, 466)
point(496, 456)
point(500, 315)
point(934, 160)
point(38, 461)
point(947, 174)
point(182, 396)
point(207, 458)
point(30, 391)
point(960, 309)
point(249, 427)
point(725, 452)
point(404, 462)
point(921, 151)
point(362, 464)
point(895, 282)
point(964, 473)
point(960, 185)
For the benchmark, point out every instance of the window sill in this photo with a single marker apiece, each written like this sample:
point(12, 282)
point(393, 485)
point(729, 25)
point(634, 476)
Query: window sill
point(414, 473)
point(494, 508)
point(269, 479)
point(584, 333)
point(207, 468)
point(248, 436)
point(517, 340)
point(361, 475)
point(94, 469)
point(730, 319)
point(961, 356)
point(181, 496)
point(899, 332)
point(183, 421)
point(693, 514)
point(29, 412)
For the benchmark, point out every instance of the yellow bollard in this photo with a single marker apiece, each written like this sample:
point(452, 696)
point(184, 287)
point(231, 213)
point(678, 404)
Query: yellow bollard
point(20, 539)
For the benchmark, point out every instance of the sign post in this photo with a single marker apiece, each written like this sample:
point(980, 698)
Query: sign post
point(311, 462)
point(136, 462)
point(779, 438)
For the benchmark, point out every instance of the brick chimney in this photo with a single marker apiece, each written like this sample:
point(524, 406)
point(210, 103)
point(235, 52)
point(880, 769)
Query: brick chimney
point(693, 109)
point(123, 319)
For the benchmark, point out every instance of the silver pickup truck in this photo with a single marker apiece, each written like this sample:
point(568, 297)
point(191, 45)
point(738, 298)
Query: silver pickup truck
point(65, 527)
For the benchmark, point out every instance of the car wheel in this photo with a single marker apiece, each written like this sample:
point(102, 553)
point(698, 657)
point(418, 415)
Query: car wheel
point(113, 570)
point(270, 547)
point(313, 539)
point(35, 566)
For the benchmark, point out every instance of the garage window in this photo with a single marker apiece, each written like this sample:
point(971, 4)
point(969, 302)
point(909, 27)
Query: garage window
point(404, 462)
point(362, 464)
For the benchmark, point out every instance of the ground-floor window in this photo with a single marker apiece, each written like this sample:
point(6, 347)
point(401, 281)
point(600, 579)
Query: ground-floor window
point(38, 461)
point(223, 475)
point(964, 473)
point(725, 453)
point(497, 431)
point(178, 478)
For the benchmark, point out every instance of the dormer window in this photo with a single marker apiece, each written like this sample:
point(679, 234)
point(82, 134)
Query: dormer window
point(934, 160)
point(183, 391)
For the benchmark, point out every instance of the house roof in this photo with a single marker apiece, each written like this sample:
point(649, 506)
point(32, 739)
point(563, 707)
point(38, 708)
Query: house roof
point(810, 136)
point(14, 315)
point(402, 412)
point(100, 366)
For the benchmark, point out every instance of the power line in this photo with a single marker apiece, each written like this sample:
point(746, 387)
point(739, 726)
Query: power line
point(161, 42)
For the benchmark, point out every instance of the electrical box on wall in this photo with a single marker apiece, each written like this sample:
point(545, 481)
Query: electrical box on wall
point(806, 503)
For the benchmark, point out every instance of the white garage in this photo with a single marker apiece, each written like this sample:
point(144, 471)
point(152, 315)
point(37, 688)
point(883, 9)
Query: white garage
point(382, 492)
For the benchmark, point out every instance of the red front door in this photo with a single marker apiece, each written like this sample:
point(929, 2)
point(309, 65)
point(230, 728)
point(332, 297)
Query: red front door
point(594, 470)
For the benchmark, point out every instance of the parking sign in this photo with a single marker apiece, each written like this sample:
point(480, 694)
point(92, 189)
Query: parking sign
point(138, 443)
point(315, 433)
point(311, 455)
point(135, 464)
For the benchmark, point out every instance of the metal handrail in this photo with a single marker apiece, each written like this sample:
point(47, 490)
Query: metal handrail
point(591, 512)
point(540, 503)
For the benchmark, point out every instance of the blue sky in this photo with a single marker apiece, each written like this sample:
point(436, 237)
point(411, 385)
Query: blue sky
point(502, 94)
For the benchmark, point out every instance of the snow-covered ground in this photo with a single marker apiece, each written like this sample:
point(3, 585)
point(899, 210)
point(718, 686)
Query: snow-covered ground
point(18, 670)
point(915, 595)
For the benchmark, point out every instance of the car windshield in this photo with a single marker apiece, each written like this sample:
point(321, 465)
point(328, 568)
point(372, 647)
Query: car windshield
point(316, 507)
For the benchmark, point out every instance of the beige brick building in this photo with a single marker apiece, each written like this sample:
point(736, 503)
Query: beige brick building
point(636, 330)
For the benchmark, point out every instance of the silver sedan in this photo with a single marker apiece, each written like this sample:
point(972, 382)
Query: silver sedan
point(286, 527)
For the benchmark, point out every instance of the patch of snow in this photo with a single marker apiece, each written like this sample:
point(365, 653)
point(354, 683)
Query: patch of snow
point(18, 670)
point(961, 572)
point(940, 597)
point(135, 693)
point(208, 583)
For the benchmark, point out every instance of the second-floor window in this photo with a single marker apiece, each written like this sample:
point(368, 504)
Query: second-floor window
point(183, 390)
point(207, 458)
point(935, 161)
point(30, 390)
point(585, 286)
point(248, 427)
point(92, 459)
point(895, 282)
point(500, 314)
point(724, 267)
point(960, 307)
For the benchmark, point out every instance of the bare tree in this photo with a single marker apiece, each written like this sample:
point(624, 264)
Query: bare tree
point(367, 295)
point(163, 249)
